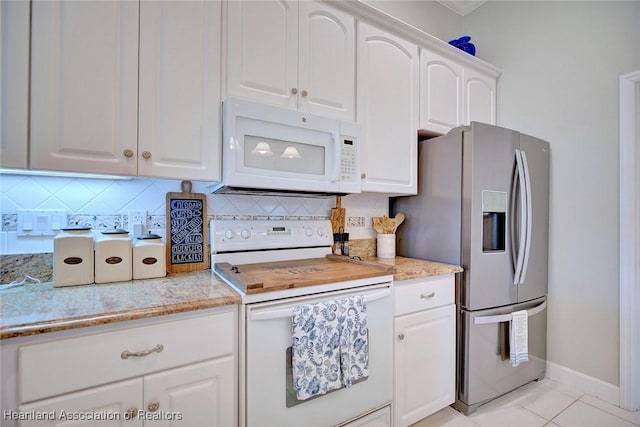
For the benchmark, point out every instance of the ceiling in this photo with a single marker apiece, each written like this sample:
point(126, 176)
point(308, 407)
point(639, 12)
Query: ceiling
point(462, 7)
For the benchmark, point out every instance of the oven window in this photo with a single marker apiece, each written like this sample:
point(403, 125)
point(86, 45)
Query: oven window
point(291, 399)
point(283, 156)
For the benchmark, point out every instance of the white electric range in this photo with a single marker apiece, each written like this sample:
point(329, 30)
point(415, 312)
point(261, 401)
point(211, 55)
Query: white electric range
point(275, 266)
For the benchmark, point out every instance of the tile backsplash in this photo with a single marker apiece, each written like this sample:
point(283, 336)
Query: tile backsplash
point(105, 203)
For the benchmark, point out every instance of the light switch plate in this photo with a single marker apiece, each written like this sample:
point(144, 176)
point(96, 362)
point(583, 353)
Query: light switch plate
point(40, 222)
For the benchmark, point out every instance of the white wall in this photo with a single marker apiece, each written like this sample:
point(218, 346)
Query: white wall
point(561, 62)
point(428, 16)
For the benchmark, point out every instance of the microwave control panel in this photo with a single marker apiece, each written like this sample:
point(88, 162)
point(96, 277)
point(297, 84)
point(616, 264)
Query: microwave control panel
point(348, 161)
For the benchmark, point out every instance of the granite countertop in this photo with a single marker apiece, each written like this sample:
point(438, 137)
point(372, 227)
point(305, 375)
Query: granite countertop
point(411, 268)
point(39, 307)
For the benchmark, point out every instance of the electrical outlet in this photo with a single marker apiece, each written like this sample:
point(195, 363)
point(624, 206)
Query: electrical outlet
point(355, 222)
point(137, 221)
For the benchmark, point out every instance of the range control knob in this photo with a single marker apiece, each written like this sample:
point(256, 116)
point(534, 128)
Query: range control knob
point(320, 231)
point(245, 233)
point(308, 232)
point(229, 234)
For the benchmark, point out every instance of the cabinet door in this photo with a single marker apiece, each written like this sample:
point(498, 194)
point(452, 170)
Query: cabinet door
point(262, 51)
point(179, 131)
point(204, 394)
point(440, 93)
point(14, 83)
point(327, 52)
point(479, 98)
point(84, 86)
point(424, 363)
point(388, 68)
point(110, 402)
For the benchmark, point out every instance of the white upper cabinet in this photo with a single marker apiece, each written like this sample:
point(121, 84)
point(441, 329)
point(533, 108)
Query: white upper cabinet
point(440, 92)
point(14, 83)
point(327, 53)
point(299, 55)
point(479, 97)
point(388, 109)
point(128, 88)
point(84, 86)
point(453, 94)
point(179, 121)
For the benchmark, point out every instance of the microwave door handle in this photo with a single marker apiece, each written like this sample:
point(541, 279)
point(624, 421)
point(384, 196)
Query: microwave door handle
point(336, 157)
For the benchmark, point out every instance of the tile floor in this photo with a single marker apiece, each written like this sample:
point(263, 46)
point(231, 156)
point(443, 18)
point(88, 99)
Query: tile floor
point(546, 403)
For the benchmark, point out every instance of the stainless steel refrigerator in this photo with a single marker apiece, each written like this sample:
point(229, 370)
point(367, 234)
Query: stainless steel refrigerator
point(483, 203)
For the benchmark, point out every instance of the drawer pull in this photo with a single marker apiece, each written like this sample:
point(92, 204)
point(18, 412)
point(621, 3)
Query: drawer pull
point(127, 354)
point(400, 337)
point(427, 296)
point(153, 406)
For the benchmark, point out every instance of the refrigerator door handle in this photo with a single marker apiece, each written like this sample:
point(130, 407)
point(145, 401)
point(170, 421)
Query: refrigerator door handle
point(523, 218)
point(485, 320)
point(527, 185)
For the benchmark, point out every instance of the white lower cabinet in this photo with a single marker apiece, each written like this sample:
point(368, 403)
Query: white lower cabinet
point(178, 372)
point(424, 350)
point(200, 394)
point(109, 405)
point(194, 395)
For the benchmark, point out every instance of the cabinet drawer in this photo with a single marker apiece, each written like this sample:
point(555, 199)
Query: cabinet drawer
point(56, 367)
point(422, 294)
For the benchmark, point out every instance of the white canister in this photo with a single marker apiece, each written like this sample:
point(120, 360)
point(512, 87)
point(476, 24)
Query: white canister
point(113, 256)
point(386, 245)
point(73, 257)
point(149, 257)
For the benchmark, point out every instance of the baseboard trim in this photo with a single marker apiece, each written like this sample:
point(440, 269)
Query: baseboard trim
point(584, 383)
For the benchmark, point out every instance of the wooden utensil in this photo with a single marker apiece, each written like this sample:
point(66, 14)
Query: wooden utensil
point(399, 219)
point(377, 224)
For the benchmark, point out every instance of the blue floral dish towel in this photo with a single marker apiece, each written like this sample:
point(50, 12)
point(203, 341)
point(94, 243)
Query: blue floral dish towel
point(330, 347)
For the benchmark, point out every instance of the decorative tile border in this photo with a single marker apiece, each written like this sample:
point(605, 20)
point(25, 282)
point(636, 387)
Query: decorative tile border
point(154, 222)
point(10, 222)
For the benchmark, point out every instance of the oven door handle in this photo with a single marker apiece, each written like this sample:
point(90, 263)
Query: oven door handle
point(280, 313)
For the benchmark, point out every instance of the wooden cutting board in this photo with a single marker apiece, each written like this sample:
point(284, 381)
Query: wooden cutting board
point(275, 276)
point(187, 238)
point(338, 216)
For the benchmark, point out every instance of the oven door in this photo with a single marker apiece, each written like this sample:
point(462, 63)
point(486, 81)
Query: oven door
point(268, 396)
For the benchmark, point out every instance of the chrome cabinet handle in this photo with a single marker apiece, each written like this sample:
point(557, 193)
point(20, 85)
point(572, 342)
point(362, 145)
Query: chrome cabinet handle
point(427, 296)
point(294, 90)
point(305, 93)
point(146, 154)
point(128, 153)
point(131, 414)
point(153, 406)
point(400, 337)
point(127, 354)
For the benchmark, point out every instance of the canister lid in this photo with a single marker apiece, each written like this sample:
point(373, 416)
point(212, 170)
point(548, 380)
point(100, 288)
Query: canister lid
point(149, 236)
point(76, 227)
point(115, 230)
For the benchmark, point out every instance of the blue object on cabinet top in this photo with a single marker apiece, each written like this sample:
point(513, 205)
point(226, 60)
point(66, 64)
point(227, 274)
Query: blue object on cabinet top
point(463, 43)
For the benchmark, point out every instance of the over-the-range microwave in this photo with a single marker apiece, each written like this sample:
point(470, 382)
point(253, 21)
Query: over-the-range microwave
point(267, 149)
